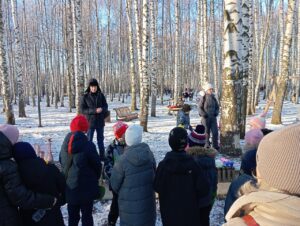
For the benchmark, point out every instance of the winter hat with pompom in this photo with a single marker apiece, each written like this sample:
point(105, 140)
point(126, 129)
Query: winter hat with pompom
point(258, 122)
point(22, 151)
point(11, 132)
point(197, 136)
point(133, 135)
point(79, 123)
point(178, 139)
point(120, 129)
point(278, 158)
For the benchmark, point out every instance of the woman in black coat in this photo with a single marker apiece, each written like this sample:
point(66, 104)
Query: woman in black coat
point(13, 193)
point(39, 176)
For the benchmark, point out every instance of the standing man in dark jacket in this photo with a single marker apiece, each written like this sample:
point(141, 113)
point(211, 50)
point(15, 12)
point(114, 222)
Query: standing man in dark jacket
point(82, 168)
point(13, 194)
point(209, 110)
point(39, 176)
point(180, 184)
point(94, 107)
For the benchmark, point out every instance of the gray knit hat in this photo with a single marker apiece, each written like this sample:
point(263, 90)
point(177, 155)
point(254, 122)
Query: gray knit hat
point(278, 159)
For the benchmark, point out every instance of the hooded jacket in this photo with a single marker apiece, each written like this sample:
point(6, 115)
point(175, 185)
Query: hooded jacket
point(85, 169)
point(205, 157)
point(88, 105)
point(132, 178)
point(181, 184)
point(266, 208)
point(12, 191)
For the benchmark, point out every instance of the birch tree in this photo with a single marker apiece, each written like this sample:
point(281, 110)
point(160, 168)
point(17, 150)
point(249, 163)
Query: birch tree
point(10, 118)
point(177, 53)
point(145, 76)
point(231, 80)
point(284, 63)
point(78, 52)
point(18, 59)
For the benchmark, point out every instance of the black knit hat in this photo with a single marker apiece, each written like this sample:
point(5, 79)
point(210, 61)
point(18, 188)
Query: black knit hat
point(178, 139)
point(93, 82)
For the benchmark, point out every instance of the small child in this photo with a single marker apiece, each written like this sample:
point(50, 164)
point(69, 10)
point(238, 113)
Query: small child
point(183, 117)
point(252, 139)
point(82, 168)
point(205, 157)
point(132, 179)
point(197, 136)
point(112, 155)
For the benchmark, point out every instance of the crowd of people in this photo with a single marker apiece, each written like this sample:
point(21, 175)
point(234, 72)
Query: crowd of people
point(265, 193)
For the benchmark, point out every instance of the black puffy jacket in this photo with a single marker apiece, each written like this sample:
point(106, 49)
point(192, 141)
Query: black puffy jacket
point(12, 192)
point(89, 103)
point(45, 178)
point(85, 170)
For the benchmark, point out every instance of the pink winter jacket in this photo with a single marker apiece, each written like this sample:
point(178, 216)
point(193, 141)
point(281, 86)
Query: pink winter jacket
point(267, 208)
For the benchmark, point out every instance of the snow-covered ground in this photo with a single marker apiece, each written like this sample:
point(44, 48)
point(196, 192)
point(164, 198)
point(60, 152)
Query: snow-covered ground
point(56, 122)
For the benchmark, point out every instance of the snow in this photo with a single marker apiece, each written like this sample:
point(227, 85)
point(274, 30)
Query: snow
point(56, 122)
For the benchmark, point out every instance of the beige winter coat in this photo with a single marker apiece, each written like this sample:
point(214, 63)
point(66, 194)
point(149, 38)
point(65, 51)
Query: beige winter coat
point(267, 208)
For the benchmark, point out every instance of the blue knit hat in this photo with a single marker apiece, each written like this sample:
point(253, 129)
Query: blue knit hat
point(249, 161)
point(23, 150)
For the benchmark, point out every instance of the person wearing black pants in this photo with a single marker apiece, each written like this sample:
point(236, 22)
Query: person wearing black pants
point(86, 214)
point(114, 210)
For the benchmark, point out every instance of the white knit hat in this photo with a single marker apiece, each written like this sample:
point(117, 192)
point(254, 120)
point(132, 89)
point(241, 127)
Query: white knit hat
point(278, 159)
point(133, 135)
point(207, 86)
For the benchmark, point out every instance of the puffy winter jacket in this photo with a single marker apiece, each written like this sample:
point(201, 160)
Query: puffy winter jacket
point(12, 192)
point(132, 178)
point(45, 178)
point(208, 106)
point(181, 184)
point(84, 171)
point(89, 103)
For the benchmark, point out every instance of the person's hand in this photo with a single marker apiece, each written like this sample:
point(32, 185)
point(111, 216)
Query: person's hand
point(98, 110)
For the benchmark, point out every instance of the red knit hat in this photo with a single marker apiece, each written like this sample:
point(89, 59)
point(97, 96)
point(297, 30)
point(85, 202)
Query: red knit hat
point(79, 123)
point(119, 129)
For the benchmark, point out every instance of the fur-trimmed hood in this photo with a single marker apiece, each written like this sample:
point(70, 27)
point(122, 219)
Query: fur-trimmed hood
point(202, 151)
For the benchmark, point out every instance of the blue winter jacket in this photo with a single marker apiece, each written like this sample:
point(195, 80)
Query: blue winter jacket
point(132, 178)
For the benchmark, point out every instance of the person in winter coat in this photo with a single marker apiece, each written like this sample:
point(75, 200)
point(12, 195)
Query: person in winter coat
point(13, 193)
point(132, 179)
point(209, 110)
point(247, 173)
point(82, 169)
point(275, 198)
point(180, 184)
point(94, 107)
point(113, 154)
point(205, 157)
point(183, 117)
point(252, 139)
point(40, 177)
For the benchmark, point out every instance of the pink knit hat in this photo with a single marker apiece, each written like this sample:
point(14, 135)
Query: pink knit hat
point(11, 132)
point(258, 122)
point(253, 137)
point(278, 158)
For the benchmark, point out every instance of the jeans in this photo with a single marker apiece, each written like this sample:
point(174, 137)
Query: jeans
point(100, 139)
point(211, 125)
point(86, 214)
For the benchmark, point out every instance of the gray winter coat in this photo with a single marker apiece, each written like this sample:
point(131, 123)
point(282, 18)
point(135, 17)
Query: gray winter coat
point(208, 106)
point(132, 178)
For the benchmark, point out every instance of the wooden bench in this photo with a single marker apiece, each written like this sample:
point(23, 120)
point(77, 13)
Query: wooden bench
point(124, 114)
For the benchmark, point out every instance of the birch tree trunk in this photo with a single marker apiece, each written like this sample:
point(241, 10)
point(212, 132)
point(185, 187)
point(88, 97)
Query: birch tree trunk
point(298, 57)
point(145, 76)
point(153, 15)
point(18, 59)
point(132, 70)
point(177, 53)
point(231, 80)
point(78, 52)
point(10, 118)
point(284, 63)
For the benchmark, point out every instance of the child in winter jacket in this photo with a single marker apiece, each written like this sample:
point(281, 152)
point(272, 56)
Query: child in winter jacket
point(180, 183)
point(13, 193)
point(113, 153)
point(132, 179)
point(39, 176)
point(183, 117)
point(82, 168)
point(205, 157)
